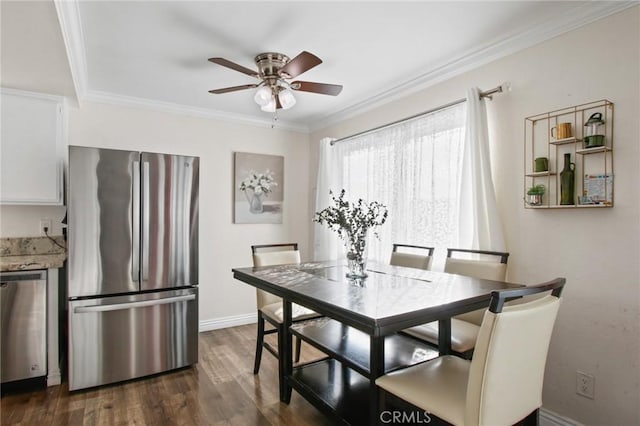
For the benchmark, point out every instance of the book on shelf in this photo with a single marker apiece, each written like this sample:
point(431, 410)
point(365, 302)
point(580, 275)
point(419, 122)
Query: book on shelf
point(598, 189)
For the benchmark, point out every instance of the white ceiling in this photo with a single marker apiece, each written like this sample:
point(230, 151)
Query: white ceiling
point(33, 55)
point(156, 52)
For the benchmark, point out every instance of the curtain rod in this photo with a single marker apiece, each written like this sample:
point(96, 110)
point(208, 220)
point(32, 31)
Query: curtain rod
point(486, 94)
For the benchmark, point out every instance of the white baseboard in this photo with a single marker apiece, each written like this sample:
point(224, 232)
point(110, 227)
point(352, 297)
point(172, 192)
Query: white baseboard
point(54, 378)
point(549, 418)
point(225, 322)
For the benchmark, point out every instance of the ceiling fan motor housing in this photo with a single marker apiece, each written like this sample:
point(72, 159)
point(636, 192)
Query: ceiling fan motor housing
point(269, 64)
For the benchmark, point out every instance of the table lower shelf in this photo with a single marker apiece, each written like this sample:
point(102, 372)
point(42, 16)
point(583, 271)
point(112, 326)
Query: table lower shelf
point(336, 390)
point(352, 347)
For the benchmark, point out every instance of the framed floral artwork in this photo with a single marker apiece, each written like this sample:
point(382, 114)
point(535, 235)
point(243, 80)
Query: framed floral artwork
point(258, 188)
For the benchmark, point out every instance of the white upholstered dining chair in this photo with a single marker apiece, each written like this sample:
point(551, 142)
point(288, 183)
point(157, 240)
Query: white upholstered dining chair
point(489, 265)
point(270, 306)
point(421, 260)
point(502, 385)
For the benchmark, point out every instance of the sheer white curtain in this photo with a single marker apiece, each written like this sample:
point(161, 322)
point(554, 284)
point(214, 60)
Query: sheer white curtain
point(479, 219)
point(326, 244)
point(413, 168)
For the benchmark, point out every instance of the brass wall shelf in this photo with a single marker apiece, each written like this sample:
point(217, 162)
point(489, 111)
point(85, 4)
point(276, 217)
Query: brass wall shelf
point(593, 165)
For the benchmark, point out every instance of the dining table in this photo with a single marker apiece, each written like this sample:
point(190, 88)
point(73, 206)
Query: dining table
point(360, 326)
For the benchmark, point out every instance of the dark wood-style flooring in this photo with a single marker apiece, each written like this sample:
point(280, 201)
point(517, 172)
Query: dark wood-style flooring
point(220, 390)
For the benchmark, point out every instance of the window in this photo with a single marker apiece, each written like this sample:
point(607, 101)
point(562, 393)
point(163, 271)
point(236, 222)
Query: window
point(414, 169)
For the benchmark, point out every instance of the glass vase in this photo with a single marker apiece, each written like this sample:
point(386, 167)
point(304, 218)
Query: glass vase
point(356, 257)
point(255, 204)
point(356, 265)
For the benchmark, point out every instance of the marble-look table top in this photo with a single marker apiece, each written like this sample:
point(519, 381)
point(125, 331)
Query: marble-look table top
point(391, 298)
point(30, 253)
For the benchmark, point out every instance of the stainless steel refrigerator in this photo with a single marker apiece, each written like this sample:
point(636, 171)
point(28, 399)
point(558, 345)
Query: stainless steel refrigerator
point(133, 264)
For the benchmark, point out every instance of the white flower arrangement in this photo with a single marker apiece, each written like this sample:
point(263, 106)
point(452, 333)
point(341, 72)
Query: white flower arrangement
point(259, 183)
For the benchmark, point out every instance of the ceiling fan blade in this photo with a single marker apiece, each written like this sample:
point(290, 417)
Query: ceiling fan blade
point(301, 63)
point(322, 88)
point(232, 89)
point(234, 66)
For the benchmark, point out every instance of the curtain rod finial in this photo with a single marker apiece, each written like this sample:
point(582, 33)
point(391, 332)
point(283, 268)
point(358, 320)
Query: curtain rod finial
point(505, 87)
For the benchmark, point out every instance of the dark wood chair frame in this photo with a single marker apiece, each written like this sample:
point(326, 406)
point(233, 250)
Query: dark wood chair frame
point(429, 249)
point(503, 259)
point(498, 298)
point(503, 256)
point(277, 327)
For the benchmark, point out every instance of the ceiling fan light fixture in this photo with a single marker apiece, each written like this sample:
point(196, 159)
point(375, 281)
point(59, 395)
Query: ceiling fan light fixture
point(287, 100)
point(263, 96)
point(269, 107)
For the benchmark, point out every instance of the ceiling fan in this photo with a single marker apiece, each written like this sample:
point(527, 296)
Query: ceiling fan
point(275, 69)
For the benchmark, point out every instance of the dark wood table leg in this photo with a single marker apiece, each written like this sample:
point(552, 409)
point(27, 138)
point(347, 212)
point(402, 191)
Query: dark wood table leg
point(444, 336)
point(376, 363)
point(285, 353)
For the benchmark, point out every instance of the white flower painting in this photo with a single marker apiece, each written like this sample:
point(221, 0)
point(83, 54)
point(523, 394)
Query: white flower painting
point(258, 188)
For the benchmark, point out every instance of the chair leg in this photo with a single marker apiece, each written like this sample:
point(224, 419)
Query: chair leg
point(298, 348)
point(259, 342)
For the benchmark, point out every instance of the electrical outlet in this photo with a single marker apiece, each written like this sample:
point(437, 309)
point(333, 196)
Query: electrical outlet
point(45, 223)
point(585, 384)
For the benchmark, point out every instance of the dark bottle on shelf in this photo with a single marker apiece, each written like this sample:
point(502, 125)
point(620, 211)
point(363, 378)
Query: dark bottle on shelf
point(567, 182)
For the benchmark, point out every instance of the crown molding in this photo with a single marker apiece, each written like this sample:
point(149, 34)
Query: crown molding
point(113, 99)
point(68, 12)
point(577, 17)
point(71, 25)
point(583, 14)
point(37, 95)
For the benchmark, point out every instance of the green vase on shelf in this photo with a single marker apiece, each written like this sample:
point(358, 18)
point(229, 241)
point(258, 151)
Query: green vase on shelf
point(567, 182)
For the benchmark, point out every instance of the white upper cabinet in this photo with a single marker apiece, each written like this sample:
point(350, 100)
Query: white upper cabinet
point(31, 148)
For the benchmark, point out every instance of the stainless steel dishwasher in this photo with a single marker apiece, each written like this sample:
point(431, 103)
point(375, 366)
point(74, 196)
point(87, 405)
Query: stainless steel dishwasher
point(23, 321)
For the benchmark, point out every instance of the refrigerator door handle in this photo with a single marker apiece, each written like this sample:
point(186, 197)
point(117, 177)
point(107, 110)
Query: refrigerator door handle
point(135, 240)
point(145, 221)
point(131, 305)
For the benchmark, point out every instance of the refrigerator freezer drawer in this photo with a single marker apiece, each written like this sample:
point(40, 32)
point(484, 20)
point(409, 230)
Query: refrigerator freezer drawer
point(124, 337)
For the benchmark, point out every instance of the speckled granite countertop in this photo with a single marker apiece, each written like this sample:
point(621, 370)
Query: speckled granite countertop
point(29, 253)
